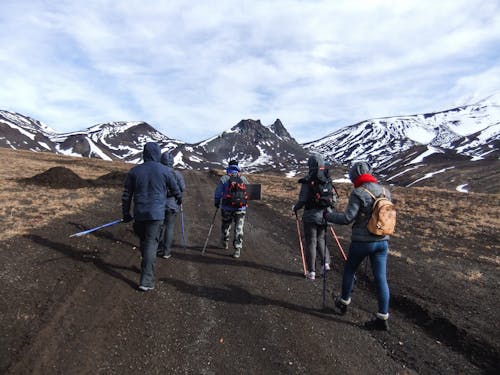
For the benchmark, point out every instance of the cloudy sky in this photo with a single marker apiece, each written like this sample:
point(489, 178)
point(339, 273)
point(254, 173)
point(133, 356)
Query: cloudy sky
point(195, 68)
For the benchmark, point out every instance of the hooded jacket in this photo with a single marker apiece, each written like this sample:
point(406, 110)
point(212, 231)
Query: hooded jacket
point(234, 170)
point(148, 184)
point(168, 160)
point(316, 166)
point(359, 207)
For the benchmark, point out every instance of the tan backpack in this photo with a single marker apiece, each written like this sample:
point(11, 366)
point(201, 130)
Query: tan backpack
point(383, 219)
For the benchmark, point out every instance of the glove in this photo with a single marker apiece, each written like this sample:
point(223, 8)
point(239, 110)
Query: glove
point(217, 204)
point(179, 201)
point(127, 218)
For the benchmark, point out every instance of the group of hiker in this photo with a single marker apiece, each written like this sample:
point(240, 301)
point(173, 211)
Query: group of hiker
point(156, 190)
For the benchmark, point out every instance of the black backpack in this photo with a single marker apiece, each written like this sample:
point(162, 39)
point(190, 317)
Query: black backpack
point(235, 192)
point(322, 192)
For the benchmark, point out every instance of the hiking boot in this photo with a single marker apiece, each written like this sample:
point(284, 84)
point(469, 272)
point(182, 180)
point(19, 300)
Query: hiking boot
point(144, 288)
point(311, 275)
point(237, 253)
point(377, 324)
point(341, 305)
point(324, 268)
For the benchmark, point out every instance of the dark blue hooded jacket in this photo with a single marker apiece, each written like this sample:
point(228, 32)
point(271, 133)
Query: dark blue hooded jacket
point(168, 160)
point(148, 185)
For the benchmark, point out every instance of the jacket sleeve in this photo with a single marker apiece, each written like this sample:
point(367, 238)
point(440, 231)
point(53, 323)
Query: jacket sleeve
point(349, 214)
point(219, 191)
point(173, 187)
point(128, 193)
point(180, 181)
point(303, 194)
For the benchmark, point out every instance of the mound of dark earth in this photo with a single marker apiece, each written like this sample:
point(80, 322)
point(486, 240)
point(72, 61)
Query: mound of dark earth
point(58, 178)
point(114, 178)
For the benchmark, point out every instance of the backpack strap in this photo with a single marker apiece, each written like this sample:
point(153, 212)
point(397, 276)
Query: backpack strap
point(369, 192)
point(372, 195)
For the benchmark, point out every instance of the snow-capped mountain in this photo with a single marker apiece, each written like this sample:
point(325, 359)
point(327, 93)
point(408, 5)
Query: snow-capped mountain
point(255, 146)
point(23, 132)
point(456, 148)
point(111, 141)
point(406, 149)
point(470, 130)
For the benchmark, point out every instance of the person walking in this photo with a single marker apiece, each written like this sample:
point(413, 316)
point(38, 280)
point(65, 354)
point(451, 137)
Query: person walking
point(171, 211)
point(147, 186)
point(363, 243)
point(313, 221)
point(231, 192)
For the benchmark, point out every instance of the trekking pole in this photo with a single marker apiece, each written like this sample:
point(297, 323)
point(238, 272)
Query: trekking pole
point(182, 227)
point(338, 243)
point(300, 242)
point(209, 231)
point(96, 228)
point(324, 274)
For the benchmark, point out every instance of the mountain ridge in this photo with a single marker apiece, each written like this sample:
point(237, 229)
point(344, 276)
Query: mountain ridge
point(403, 150)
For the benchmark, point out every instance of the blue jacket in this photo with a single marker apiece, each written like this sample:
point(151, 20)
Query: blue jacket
point(148, 184)
point(219, 191)
point(168, 160)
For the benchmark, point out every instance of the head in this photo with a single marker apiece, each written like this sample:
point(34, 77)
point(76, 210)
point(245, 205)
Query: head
point(233, 162)
point(152, 152)
point(233, 169)
point(359, 168)
point(167, 159)
point(316, 164)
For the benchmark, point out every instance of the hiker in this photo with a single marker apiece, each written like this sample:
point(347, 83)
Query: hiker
point(233, 207)
point(363, 243)
point(147, 185)
point(171, 211)
point(313, 221)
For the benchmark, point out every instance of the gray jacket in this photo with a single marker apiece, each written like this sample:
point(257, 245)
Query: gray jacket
point(359, 208)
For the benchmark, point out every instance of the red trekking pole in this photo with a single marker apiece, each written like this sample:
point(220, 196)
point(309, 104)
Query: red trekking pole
point(300, 242)
point(338, 243)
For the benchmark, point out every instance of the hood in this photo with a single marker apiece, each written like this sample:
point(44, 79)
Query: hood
point(167, 159)
point(316, 165)
point(152, 152)
point(359, 168)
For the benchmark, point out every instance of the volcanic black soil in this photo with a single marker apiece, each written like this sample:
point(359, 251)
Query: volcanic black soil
point(70, 305)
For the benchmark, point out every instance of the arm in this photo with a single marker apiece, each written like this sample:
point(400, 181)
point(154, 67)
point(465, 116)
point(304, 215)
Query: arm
point(303, 195)
point(128, 193)
point(219, 190)
point(173, 187)
point(349, 214)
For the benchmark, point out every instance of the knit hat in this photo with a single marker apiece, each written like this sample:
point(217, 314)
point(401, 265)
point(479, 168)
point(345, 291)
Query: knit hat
point(359, 168)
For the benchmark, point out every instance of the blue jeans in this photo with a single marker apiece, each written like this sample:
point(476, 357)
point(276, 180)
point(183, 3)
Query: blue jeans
point(149, 234)
point(377, 251)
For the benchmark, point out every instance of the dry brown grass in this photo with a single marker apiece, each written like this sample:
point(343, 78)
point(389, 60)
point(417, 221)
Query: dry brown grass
point(29, 206)
point(425, 215)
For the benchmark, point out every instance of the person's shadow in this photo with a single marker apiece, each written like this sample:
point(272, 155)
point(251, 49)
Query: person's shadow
point(85, 257)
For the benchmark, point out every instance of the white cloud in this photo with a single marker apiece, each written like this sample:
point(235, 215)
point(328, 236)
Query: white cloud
point(193, 69)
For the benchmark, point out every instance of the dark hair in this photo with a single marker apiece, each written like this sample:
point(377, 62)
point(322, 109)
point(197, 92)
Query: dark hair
point(233, 162)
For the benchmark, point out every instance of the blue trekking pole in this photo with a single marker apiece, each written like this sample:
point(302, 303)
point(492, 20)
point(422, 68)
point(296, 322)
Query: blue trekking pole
point(182, 227)
point(96, 228)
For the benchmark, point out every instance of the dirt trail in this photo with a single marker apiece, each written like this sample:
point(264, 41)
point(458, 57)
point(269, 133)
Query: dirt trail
point(71, 305)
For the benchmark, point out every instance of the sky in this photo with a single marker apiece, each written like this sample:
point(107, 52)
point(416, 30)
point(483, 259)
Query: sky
point(193, 69)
